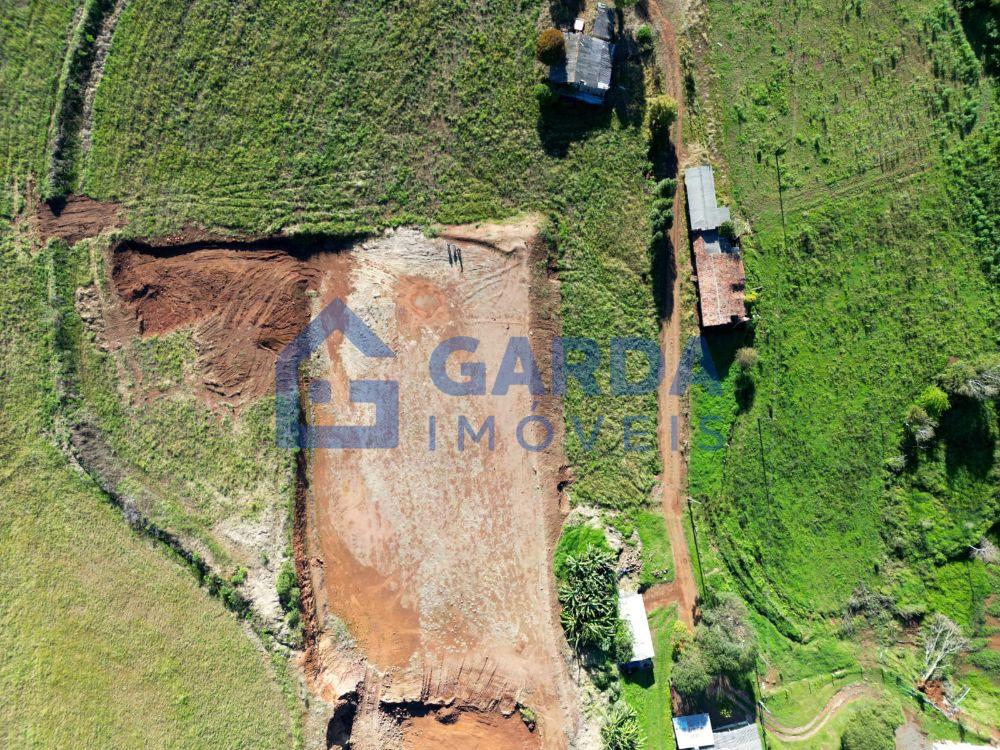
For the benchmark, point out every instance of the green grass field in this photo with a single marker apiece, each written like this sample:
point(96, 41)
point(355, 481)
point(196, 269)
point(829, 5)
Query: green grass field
point(647, 691)
point(878, 283)
point(870, 273)
point(98, 626)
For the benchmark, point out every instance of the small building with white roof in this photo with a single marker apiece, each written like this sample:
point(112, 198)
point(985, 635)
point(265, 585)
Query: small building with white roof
point(693, 732)
point(632, 609)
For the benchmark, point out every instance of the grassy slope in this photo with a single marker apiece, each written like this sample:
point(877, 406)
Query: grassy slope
point(105, 641)
point(878, 284)
point(32, 45)
point(381, 115)
point(98, 627)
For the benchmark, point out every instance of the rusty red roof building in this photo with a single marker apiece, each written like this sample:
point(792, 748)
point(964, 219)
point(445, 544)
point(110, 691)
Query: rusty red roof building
point(718, 262)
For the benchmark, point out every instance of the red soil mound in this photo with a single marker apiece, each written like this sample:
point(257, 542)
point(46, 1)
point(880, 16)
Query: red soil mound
point(467, 730)
point(76, 217)
point(245, 305)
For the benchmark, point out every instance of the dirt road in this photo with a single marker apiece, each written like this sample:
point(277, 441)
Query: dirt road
point(841, 699)
point(683, 590)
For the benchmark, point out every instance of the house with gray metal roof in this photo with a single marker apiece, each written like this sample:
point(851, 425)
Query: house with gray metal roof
point(585, 74)
point(704, 212)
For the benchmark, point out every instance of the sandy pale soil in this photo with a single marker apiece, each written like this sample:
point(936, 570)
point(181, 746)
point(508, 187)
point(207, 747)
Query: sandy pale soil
point(438, 558)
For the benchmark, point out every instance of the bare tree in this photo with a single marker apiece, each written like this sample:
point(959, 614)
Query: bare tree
point(986, 551)
point(942, 640)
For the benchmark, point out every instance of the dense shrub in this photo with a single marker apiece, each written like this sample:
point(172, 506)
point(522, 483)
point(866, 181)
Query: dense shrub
point(621, 729)
point(666, 188)
point(550, 47)
point(727, 231)
point(934, 401)
point(746, 358)
point(690, 676)
point(726, 637)
point(644, 37)
point(871, 728)
point(588, 594)
point(661, 112)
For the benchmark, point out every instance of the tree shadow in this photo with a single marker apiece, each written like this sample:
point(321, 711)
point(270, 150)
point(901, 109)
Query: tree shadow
point(969, 436)
point(663, 262)
point(981, 22)
point(628, 96)
point(564, 12)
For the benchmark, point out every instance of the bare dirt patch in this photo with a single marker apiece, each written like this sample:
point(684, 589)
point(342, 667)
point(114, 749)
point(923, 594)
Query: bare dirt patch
point(77, 217)
point(467, 730)
point(245, 303)
point(438, 559)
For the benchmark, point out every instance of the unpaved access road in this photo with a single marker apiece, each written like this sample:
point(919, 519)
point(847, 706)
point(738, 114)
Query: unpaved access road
point(672, 420)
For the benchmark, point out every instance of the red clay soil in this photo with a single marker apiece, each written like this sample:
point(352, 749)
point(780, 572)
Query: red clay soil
point(76, 217)
point(244, 305)
point(467, 730)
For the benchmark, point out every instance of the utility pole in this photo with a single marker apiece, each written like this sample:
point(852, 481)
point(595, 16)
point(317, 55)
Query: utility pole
point(697, 550)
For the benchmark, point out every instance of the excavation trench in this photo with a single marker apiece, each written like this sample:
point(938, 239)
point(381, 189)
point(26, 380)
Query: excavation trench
point(425, 569)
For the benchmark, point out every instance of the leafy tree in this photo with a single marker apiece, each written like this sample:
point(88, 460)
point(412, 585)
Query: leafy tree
point(726, 637)
point(550, 48)
point(871, 728)
point(661, 112)
point(621, 729)
point(690, 675)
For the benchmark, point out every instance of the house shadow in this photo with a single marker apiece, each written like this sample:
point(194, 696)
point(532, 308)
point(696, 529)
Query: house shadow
point(566, 121)
point(643, 677)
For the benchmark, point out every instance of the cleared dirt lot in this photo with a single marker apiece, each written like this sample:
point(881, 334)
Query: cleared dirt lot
point(438, 560)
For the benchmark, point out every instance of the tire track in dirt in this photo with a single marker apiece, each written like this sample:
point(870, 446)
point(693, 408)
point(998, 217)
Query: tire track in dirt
point(683, 591)
point(841, 699)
